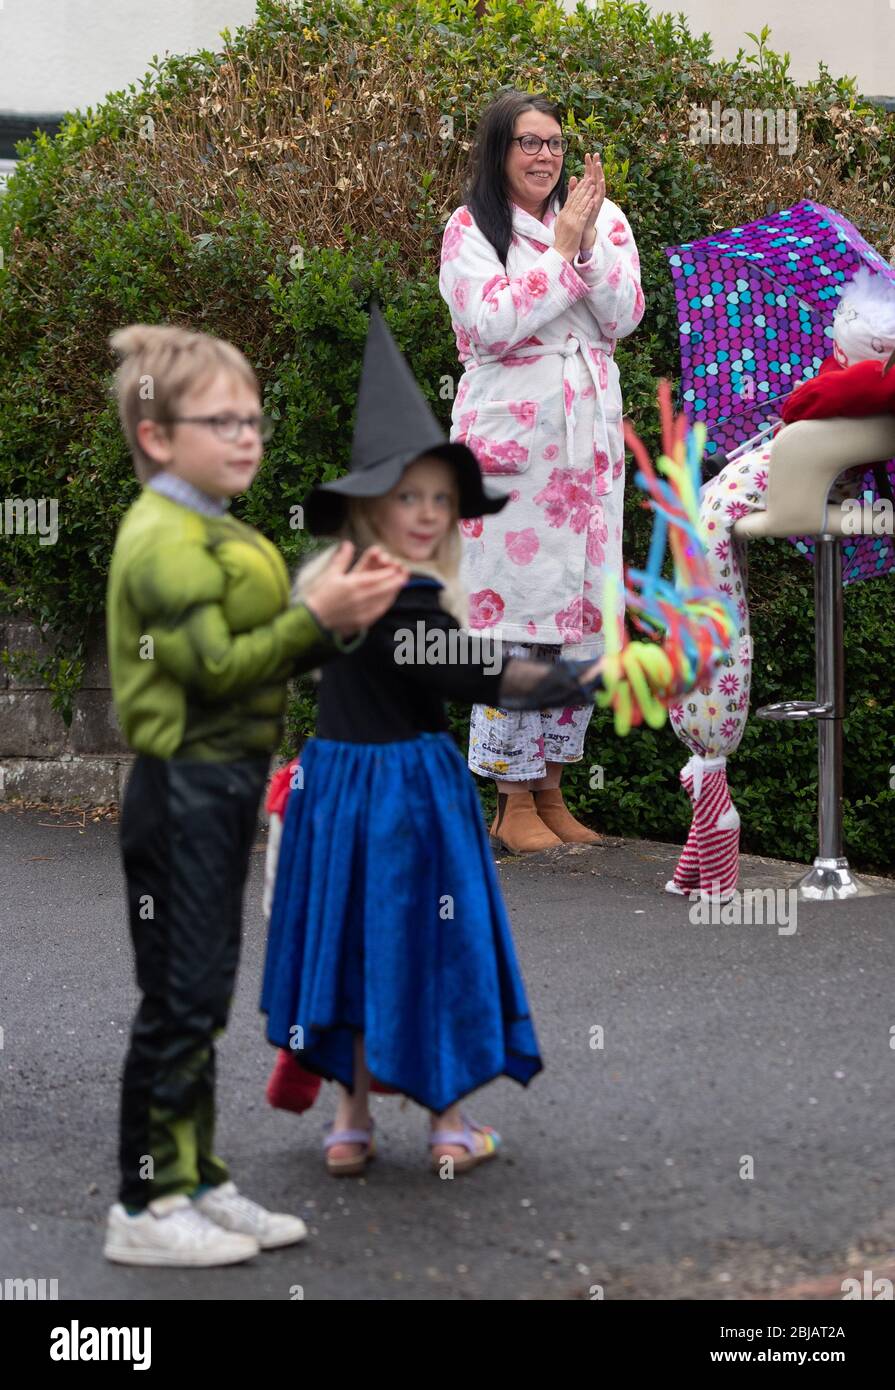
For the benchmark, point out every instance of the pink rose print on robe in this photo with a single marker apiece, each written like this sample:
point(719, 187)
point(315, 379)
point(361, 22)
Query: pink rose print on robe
point(462, 390)
point(460, 294)
point(591, 618)
point(568, 621)
point(571, 281)
point(635, 260)
point(602, 366)
point(463, 424)
point(611, 325)
point(471, 526)
point(497, 282)
point(614, 276)
point(551, 452)
point(597, 535)
point(601, 463)
point(531, 628)
point(450, 245)
point(639, 304)
point(618, 468)
point(525, 412)
point(522, 300)
point(617, 234)
point(485, 608)
point(494, 457)
point(568, 396)
point(511, 359)
point(537, 283)
point(464, 348)
point(453, 235)
point(522, 546)
point(515, 495)
point(567, 497)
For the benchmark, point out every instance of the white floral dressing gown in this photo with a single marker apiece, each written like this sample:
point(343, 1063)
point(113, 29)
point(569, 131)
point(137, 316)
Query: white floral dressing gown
point(540, 406)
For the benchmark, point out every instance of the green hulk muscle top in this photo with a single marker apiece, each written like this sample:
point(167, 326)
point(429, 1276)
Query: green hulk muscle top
point(200, 636)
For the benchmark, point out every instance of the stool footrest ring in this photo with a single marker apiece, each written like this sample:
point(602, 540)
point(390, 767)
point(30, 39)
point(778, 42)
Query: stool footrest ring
point(795, 709)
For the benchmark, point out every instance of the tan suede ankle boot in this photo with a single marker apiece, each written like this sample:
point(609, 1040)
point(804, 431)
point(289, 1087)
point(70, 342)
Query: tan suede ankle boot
point(553, 811)
point(518, 827)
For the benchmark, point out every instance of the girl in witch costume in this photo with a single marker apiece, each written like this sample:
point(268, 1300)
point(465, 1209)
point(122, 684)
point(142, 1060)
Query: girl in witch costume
point(389, 952)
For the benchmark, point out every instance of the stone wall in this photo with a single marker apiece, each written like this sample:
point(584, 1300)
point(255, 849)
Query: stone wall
point(40, 758)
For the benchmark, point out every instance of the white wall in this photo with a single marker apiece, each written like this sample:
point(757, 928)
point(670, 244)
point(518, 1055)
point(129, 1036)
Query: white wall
point(56, 55)
point(853, 37)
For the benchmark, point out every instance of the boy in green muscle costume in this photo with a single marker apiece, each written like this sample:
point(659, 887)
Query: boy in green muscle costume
point(201, 644)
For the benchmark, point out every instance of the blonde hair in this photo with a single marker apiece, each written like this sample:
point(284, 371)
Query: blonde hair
point(174, 361)
point(359, 528)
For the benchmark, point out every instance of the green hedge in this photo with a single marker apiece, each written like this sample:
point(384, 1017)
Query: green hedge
point(98, 229)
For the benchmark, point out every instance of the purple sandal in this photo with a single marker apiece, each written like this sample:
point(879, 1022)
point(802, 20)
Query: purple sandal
point(349, 1167)
point(463, 1138)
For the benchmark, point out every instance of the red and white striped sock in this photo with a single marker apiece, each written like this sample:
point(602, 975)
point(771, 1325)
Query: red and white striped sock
point(717, 825)
point(686, 871)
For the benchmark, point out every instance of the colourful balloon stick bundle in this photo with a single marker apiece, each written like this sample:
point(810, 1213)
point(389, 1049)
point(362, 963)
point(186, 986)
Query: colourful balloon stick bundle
point(692, 625)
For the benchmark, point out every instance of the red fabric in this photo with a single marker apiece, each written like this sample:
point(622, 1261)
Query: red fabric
point(278, 791)
point(290, 1087)
point(842, 391)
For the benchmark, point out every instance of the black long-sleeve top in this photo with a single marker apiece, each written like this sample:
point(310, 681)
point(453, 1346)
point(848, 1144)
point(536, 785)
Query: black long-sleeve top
point(374, 694)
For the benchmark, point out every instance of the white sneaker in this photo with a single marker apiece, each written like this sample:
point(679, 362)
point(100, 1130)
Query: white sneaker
point(226, 1206)
point(172, 1232)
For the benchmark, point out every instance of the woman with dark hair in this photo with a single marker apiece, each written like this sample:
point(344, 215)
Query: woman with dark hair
point(541, 278)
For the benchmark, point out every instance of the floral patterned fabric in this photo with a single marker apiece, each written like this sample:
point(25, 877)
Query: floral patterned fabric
point(517, 744)
point(711, 719)
point(540, 406)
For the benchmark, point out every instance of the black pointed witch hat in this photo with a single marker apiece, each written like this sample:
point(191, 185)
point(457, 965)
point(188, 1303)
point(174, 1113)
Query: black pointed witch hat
point(394, 425)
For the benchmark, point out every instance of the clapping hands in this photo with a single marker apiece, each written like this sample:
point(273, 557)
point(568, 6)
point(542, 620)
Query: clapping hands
point(576, 225)
point(348, 600)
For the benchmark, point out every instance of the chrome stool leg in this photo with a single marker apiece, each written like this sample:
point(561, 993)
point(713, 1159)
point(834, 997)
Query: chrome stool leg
point(829, 877)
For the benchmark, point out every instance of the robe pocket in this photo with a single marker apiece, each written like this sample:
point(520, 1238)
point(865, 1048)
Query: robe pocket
point(502, 436)
point(609, 454)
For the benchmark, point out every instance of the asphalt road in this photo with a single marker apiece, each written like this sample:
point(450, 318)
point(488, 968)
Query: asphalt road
point(626, 1166)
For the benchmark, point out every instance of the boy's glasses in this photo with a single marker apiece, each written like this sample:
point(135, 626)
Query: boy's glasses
point(227, 427)
point(531, 144)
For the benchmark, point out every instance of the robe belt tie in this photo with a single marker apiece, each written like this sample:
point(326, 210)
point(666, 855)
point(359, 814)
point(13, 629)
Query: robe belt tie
point(567, 350)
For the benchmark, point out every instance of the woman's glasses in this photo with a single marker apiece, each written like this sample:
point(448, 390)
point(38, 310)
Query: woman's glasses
point(531, 144)
point(227, 427)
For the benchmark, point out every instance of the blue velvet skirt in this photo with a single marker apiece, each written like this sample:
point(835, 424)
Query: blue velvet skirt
point(388, 920)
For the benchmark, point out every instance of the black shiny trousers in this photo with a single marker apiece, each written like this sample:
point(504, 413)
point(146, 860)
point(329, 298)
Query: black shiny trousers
point(186, 833)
